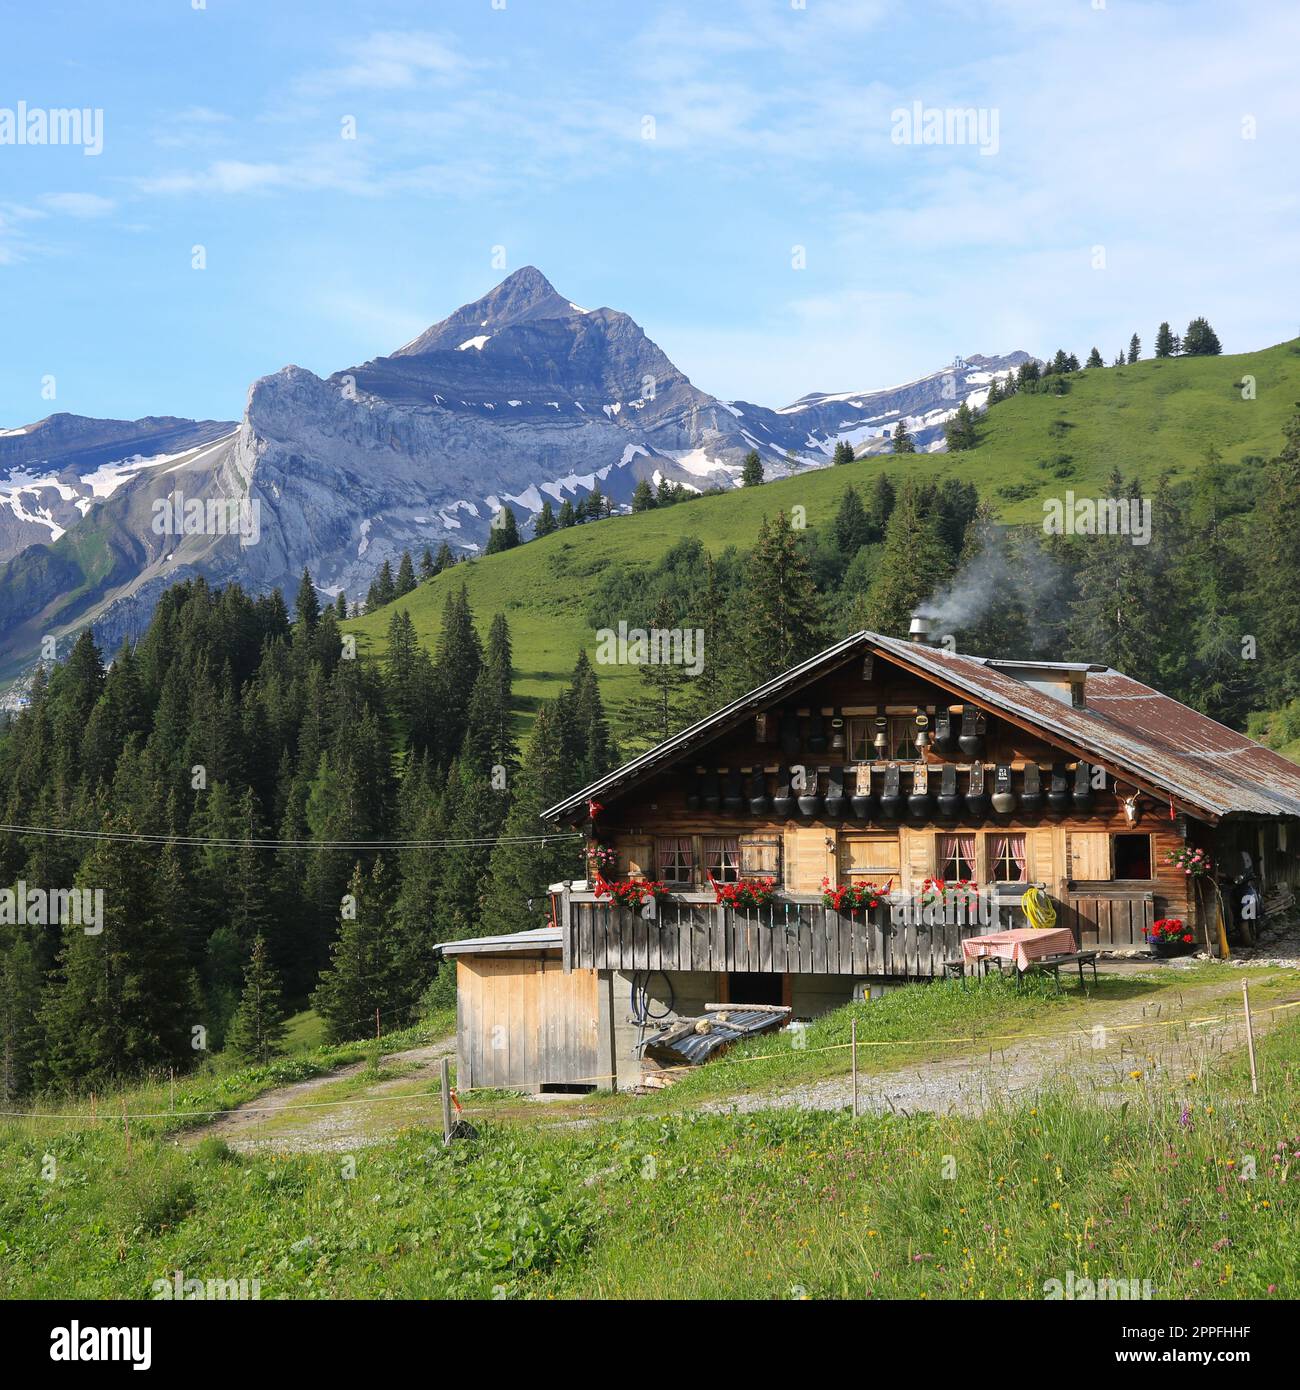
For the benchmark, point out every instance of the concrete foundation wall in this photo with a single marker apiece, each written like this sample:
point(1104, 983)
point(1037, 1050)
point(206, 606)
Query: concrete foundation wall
point(689, 991)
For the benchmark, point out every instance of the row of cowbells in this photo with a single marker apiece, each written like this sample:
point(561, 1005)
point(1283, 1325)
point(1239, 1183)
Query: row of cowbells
point(868, 792)
point(948, 734)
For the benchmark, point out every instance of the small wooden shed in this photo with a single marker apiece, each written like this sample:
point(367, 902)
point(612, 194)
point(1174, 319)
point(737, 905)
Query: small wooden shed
point(522, 1021)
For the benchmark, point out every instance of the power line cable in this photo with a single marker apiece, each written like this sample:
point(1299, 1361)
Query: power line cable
point(222, 842)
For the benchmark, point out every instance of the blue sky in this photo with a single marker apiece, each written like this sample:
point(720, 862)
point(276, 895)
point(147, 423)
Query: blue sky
point(1165, 134)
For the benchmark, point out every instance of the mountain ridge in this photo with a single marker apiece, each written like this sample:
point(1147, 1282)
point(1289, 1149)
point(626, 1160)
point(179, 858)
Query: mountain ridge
point(517, 397)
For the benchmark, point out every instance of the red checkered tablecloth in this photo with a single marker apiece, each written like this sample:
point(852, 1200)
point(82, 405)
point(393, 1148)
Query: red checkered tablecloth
point(1023, 945)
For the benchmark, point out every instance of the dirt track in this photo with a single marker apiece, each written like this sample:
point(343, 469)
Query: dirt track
point(968, 1084)
point(302, 1118)
point(342, 1111)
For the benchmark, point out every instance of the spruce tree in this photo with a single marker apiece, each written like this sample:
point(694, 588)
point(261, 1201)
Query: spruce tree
point(503, 534)
point(851, 527)
point(475, 814)
point(341, 605)
point(567, 517)
point(307, 605)
point(428, 566)
point(457, 663)
point(751, 473)
point(1134, 349)
point(880, 505)
point(414, 917)
point(583, 729)
point(903, 441)
point(1274, 545)
point(520, 871)
point(21, 1041)
point(1207, 562)
point(643, 497)
point(1200, 340)
point(781, 620)
point(914, 563)
point(545, 522)
point(1118, 607)
point(120, 1001)
point(1164, 341)
point(1094, 359)
point(843, 452)
point(362, 976)
point(959, 433)
point(405, 581)
point(444, 559)
point(657, 710)
point(383, 590)
point(256, 1031)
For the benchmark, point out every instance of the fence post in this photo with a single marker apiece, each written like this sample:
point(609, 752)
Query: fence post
point(446, 1100)
point(853, 1034)
point(1250, 1037)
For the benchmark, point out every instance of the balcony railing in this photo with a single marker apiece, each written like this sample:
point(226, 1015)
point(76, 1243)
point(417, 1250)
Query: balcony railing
point(795, 934)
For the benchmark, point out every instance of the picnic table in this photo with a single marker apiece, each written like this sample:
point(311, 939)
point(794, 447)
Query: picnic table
point(1020, 947)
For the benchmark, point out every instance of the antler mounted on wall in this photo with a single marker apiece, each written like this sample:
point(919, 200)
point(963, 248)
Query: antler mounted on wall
point(1131, 804)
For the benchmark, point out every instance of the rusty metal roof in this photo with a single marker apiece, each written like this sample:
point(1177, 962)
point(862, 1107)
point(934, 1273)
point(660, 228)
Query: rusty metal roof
point(1126, 727)
point(1131, 728)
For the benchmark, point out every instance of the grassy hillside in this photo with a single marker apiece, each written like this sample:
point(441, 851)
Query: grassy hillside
point(1151, 418)
point(665, 1200)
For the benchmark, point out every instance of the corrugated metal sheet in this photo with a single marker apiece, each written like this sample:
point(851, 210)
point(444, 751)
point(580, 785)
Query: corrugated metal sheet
point(1127, 726)
point(681, 1041)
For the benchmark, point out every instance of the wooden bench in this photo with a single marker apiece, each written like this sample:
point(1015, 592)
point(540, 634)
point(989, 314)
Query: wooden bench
point(1054, 964)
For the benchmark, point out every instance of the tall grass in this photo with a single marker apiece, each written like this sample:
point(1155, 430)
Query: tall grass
point(1186, 1182)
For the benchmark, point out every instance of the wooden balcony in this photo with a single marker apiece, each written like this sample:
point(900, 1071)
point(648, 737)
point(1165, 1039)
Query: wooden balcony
point(795, 935)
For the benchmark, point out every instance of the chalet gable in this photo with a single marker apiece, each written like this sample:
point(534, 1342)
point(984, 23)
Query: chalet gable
point(1087, 713)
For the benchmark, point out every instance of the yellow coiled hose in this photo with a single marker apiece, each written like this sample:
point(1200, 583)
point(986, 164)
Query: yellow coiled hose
point(1038, 909)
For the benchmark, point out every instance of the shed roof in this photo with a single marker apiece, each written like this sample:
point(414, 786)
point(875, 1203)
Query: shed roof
point(541, 938)
point(1126, 726)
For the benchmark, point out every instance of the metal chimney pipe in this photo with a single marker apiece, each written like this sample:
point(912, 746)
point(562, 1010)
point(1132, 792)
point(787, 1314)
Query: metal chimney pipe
point(919, 630)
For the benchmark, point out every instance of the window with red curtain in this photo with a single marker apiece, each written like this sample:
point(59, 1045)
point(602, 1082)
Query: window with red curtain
point(957, 856)
point(676, 860)
point(722, 859)
point(1008, 858)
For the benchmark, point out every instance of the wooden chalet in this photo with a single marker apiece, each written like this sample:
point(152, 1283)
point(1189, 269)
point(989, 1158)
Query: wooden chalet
point(894, 761)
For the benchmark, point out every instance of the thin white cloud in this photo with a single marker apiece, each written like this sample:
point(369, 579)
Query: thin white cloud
point(78, 204)
point(389, 61)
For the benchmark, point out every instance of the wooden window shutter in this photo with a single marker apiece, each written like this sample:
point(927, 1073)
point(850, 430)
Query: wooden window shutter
point(1038, 853)
point(921, 853)
point(760, 856)
point(1089, 855)
point(636, 859)
point(808, 859)
point(870, 856)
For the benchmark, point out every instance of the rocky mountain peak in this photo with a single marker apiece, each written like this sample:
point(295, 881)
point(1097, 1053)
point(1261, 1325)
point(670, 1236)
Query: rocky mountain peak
point(524, 296)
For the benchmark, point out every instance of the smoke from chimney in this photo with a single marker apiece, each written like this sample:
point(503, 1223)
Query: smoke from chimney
point(1009, 571)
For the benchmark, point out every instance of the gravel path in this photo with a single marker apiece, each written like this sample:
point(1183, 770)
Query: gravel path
point(967, 1085)
point(963, 1084)
point(273, 1122)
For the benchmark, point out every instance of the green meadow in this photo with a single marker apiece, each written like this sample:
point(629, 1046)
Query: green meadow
point(1152, 419)
point(1186, 1182)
